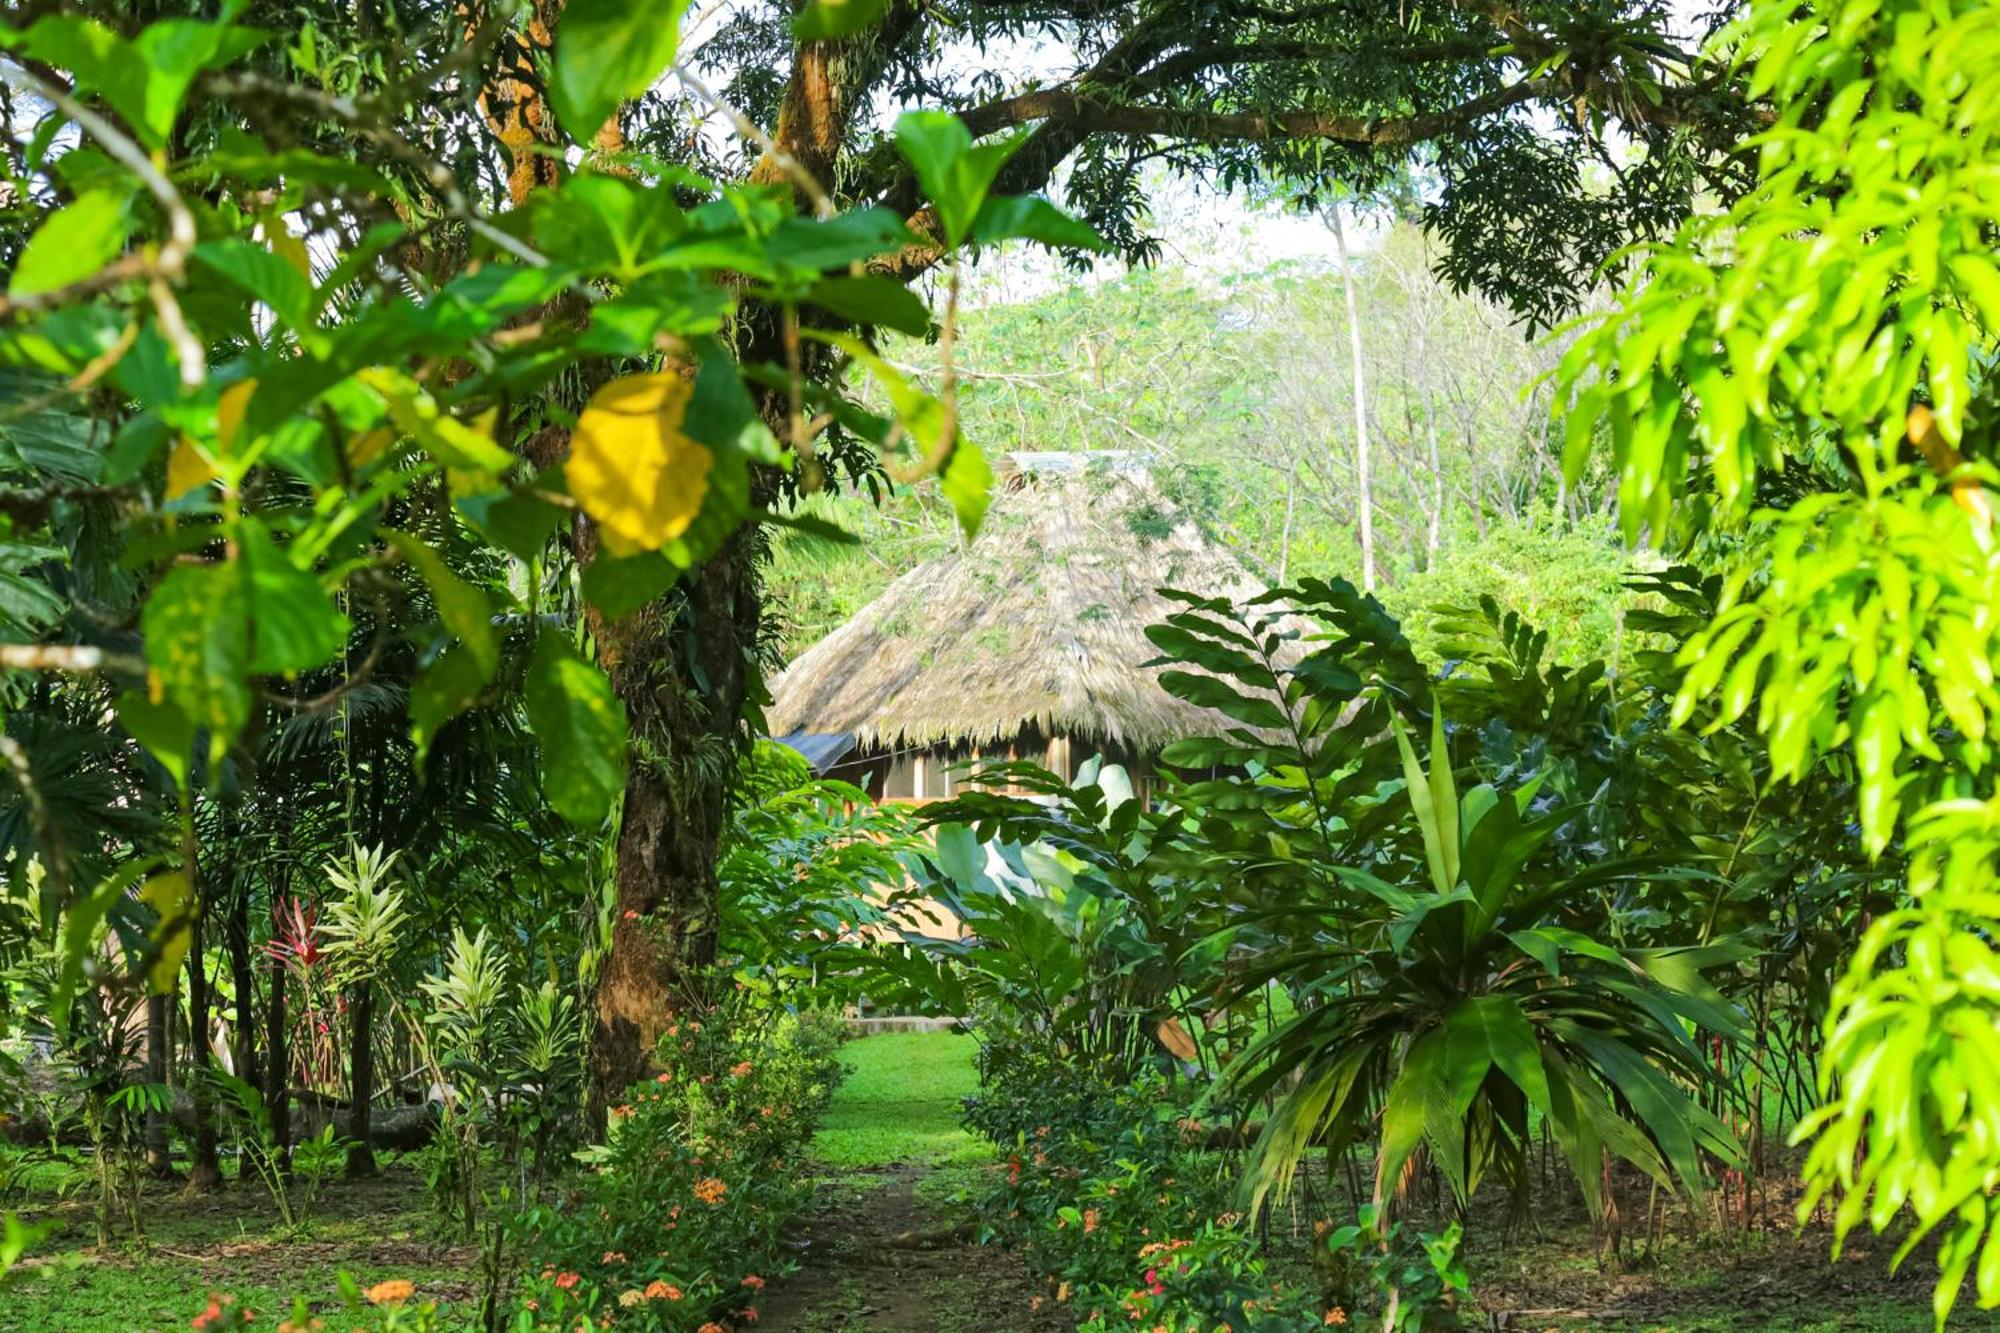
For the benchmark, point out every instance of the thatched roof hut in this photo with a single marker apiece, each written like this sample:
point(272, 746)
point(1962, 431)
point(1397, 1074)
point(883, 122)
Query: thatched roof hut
point(1029, 643)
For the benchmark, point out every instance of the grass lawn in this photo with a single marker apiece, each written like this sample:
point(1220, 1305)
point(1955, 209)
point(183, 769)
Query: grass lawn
point(901, 1102)
point(372, 1230)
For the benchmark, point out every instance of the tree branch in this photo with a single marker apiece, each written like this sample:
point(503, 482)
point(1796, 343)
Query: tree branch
point(1102, 116)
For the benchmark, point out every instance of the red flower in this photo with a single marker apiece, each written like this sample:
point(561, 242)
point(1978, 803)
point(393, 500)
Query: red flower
point(567, 1280)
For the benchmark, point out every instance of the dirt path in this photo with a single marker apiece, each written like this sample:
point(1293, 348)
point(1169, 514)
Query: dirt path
point(876, 1255)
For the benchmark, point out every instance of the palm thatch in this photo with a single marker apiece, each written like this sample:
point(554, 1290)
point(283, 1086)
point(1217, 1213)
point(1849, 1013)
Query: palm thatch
point(1039, 626)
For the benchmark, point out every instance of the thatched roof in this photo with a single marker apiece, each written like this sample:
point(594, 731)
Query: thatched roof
point(1039, 624)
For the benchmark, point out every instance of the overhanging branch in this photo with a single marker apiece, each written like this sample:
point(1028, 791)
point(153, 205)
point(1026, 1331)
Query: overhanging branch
point(1092, 115)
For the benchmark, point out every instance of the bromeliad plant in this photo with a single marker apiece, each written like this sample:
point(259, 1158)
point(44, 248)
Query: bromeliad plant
point(1460, 1012)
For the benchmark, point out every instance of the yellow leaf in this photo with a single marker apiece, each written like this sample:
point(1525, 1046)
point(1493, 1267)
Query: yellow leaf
point(1175, 1038)
point(229, 411)
point(173, 902)
point(187, 469)
point(633, 468)
point(369, 445)
point(289, 248)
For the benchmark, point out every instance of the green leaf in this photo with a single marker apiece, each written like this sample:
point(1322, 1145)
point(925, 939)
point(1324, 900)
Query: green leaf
point(443, 690)
point(1225, 697)
point(445, 438)
point(73, 242)
point(163, 730)
point(607, 53)
point(198, 648)
point(873, 300)
point(1495, 1028)
point(1030, 217)
point(261, 275)
point(816, 244)
point(518, 521)
point(294, 625)
point(955, 173)
point(967, 483)
point(1418, 788)
point(618, 587)
point(175, 906)
point(824, 19)
point(79, 933)
point(464, 609)
point(581, 724)
point(1406, 1109)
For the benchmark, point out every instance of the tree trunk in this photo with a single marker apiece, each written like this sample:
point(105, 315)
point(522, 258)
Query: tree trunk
point(361, 1011)
point(159, 1152)
point(243, 976)
point(676, 799)
point(277, 1069)
point(205, 1171)
point(1363, 484)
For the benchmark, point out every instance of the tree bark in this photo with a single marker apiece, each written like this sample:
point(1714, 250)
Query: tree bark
point(243, 977)
point(159, 1151)
point(676, 800)
point(361, 1077)
point(205, 1171)
point(1363, 483)
point(277, 1068)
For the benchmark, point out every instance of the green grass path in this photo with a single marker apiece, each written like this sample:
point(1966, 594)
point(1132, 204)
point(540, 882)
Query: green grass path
point(901, 1103)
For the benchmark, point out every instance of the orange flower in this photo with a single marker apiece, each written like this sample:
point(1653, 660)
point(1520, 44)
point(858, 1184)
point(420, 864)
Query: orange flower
point(620, 1112)
point(1334, 1316)
point(1089, 1220)
point(393, 1292)
point(567, 1280)
point(739, 1070)
point(614, 1256)
point(754, 1282)
point(663, 1078)
point(662, 1291)
point(712, 1327)
point(749, 1314)
point(710, 1190)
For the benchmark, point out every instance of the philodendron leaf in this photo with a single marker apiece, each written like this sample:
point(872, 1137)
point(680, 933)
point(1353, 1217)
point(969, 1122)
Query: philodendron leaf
point(581, 725)
point(608, 52)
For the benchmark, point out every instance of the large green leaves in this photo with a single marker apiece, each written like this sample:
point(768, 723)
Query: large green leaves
point(211, 627)
point(608, 52)
point(581, 725)
point(73, 242)
point(146, 78)
point(956, 174)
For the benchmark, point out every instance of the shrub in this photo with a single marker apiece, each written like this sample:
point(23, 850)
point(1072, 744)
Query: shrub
point(676, 1223)
point(1103, 1188)
point(1107, 1187)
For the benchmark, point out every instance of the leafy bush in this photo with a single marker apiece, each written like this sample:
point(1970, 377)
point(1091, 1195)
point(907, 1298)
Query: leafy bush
point(1106, 1185)
point(1102, 1190)
point(677, 1222)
